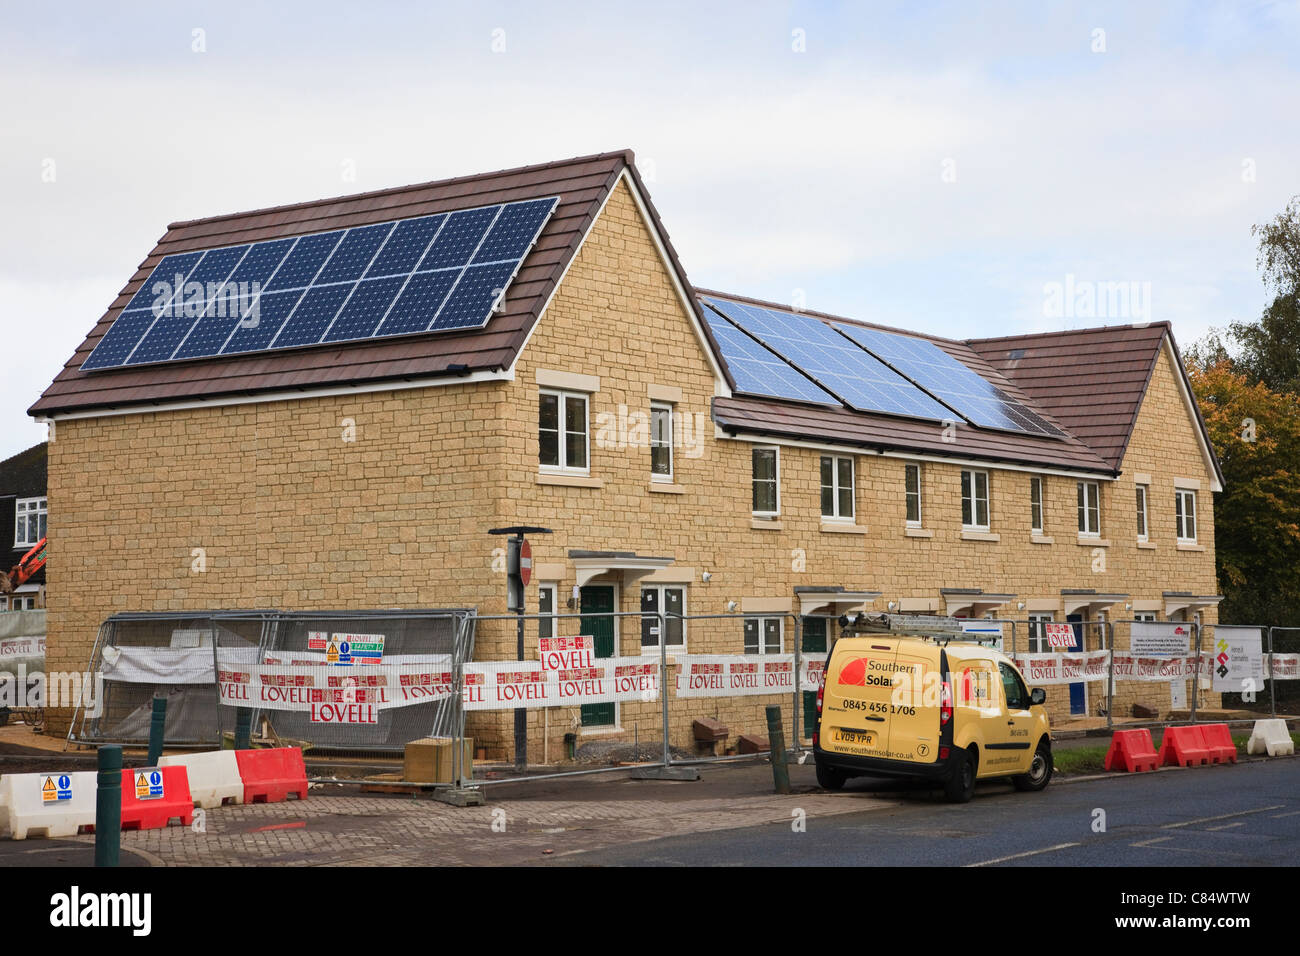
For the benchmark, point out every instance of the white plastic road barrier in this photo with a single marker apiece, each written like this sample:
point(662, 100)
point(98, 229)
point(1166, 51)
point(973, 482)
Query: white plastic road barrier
point(214, 776)
point(53, 804)
point(1270, 737)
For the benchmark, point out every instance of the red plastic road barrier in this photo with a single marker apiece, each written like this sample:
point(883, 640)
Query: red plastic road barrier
point(1218, 739)
point(1184, 747)
point(271, 775)
point(1132, 751)
point(156, 813)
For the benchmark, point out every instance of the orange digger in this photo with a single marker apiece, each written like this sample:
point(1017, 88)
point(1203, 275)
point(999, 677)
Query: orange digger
point(21, 572)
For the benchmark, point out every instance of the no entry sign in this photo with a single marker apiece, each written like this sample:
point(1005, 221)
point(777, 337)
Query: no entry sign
point(525, 562)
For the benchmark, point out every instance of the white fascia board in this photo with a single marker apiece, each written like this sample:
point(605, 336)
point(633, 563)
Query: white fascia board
point(287, 395)
point(1189, 405)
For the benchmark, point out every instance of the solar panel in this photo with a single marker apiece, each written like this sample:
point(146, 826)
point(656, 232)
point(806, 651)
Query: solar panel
point(979, 401)
point(757, 371)
point(437, 273)
point(855, 377)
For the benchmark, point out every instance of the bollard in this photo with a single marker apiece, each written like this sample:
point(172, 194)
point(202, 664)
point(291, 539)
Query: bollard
point(108, 806)
point(157, 730)
point(776, 741)
point(243, 728)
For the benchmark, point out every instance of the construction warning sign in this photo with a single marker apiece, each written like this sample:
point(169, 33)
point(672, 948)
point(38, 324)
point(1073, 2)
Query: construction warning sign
point(148, 784)
point(53, 791)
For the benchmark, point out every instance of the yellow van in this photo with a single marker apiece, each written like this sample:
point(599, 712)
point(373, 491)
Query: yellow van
point(948, 711)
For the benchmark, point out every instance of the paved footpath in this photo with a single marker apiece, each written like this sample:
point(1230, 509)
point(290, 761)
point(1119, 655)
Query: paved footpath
point(336, 826)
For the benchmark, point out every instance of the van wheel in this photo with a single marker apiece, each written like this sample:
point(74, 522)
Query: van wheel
point(960, 786)
point(1040, 771)
point(828, 778)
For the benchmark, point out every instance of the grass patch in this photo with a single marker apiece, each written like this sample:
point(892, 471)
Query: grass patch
point(1080, 760)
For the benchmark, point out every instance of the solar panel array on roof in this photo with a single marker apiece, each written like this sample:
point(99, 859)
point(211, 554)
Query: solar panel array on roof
point(976, 399)
point(840, 367)
point(434, 273)
point(757, 371)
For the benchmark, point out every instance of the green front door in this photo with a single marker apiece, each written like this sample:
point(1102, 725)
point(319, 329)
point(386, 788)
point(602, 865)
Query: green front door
point(814, 642)
point(598, 599)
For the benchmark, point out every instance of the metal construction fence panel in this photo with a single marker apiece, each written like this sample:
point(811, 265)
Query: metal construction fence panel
point(356, 681)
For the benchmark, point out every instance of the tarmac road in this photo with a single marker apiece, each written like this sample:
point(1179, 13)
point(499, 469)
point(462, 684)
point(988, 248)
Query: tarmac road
point(1230, 816)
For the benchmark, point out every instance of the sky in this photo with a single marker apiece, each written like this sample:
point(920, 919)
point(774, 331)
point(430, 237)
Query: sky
point(960, 169)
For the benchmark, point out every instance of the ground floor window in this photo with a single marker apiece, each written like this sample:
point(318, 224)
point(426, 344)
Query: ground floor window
point(668, 600)
point(763, 635)
point(1038, 633)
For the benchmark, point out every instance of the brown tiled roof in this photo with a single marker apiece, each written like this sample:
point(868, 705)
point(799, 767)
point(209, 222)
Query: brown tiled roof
point(1091, 380)
point(797, 419)
point(582, 185)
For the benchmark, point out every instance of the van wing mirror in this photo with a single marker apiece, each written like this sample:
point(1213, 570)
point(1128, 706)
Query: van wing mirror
point(1037, 696)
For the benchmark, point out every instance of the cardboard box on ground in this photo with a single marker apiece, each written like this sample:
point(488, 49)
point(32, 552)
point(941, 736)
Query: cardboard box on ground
point(433, 760)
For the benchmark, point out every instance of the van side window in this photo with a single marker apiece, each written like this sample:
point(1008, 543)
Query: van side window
point(1014, 687)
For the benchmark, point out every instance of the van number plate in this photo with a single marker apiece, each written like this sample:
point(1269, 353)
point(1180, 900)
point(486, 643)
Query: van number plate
point(841, 736)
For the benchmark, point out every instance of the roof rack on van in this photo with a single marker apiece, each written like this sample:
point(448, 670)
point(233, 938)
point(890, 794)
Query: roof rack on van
point(930, 627)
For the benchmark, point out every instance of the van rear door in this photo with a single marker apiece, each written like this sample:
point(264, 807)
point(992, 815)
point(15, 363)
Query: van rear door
point(855, 702)
point(914, 707)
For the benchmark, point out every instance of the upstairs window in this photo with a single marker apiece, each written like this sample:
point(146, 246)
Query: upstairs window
point(1142, 512)
point(562, 431)
point(767, 468)
point(837, 488)
point(912, 494)
point(1036, 505)
point(661, 442)
point(1089, 500)
point(1185, 514)
point(975, 500)
point(29, 521)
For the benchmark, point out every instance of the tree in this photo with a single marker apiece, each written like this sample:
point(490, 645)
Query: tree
point(1256, 433)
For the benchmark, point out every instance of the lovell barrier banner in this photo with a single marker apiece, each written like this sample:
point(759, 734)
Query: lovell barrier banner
point(333, 695)
point(727, 675)
point(812, 671)
point(1063, 668)
point(506, 685)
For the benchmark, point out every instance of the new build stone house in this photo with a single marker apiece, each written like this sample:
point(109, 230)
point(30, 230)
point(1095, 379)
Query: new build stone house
point(599, 401)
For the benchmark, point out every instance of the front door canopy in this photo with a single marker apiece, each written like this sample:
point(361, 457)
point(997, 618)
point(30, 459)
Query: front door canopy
point(1176, 601)
point(972, 602)
point(832, 601)
point(1081, 601)
point(632, 566)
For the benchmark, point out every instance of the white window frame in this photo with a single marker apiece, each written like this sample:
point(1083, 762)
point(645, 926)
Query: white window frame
point(1147, 617)
point(1141, 501)
point(918, 521)
point(753, 479)
point(1086, 530)
point(1039, 617)
point(562, 433)
point(672, 648)
point(1182, 518)
point(974, 500)
point(762, 634)
point(836, 487)
point(29, 508)
point(547, 617)
point(667, 409)
point(1036, 485)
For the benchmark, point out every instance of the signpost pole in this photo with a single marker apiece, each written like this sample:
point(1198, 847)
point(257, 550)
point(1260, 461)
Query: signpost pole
point(1110, 676)
point(1196, 674)
point(519, 571)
